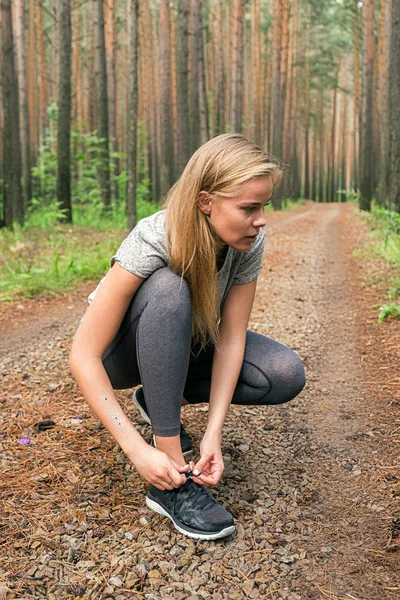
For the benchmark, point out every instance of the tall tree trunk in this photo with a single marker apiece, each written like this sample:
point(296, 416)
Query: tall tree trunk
point(32, 82)
point(203, 109)
point(220, 72)
point(174, 92)
point(12, 192)
point(64, 117)
point(307, 110)
point(357, 96)
point(382, 106)
point(321, 186)
point(332, 153)
point(237, 66)
point(103, 169)
point(182, 83)
point(109, 14)
point(133, 37)
point(23, 101)
point(193, 75)
point(43, 87)
point(367, 150)
point(166, 165)
point(344, 138)
point(394, 104)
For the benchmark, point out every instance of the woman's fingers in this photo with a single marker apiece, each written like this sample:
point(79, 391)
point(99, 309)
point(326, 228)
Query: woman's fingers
point(200, 465)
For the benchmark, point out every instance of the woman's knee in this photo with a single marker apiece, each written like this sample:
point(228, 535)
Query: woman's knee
point(168, 291)
point(276, 371)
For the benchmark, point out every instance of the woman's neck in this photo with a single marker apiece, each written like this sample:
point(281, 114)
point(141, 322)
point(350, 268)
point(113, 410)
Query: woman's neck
point(221, 255)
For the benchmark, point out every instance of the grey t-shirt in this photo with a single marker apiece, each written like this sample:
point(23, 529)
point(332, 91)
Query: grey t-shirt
point(143, 251)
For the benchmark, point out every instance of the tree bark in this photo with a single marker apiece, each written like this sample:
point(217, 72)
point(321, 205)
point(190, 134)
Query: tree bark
point(103, 170)
point(367, 150)
point(394, 119)
point(109, 14)
point(220, 73)
point(133, 38)
point(166, 165)
point(12, 170)
point(237, 67)
point(23, 102)
point(182, 83)
point(64, 115)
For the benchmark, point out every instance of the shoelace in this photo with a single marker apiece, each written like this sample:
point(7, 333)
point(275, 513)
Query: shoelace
point(196, 495)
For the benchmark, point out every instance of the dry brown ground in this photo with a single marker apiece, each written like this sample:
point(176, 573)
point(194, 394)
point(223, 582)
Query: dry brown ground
point(313, 485)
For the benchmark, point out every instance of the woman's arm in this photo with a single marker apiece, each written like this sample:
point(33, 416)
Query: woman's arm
point(227, 362)
point(97, 330)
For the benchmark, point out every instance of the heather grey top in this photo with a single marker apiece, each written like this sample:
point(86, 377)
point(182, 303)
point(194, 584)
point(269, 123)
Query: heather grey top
point(143, 251)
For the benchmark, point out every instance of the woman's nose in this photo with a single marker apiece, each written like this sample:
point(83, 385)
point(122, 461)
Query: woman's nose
point(260, 221)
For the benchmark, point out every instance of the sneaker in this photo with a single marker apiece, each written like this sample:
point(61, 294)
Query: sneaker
point(192, 510)
point(139, 402)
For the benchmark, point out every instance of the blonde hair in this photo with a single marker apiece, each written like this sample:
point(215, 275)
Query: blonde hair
point(218, 167)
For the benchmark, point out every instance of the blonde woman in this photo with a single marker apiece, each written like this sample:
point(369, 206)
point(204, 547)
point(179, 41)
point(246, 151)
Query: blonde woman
point(172, 315)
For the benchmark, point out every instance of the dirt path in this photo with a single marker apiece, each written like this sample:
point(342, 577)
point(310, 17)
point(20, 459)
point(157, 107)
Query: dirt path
point(313, 485)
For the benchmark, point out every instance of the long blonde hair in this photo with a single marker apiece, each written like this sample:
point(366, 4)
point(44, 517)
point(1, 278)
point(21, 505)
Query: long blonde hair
point(218, 167)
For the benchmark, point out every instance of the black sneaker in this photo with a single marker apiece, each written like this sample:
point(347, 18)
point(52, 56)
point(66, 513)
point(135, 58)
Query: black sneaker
point(193, 511)
point(139, 402)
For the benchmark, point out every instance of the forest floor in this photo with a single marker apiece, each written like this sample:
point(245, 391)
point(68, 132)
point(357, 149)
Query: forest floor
point(313, 485)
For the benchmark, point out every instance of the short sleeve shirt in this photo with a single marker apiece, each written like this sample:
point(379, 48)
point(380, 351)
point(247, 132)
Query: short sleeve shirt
point(144, 251)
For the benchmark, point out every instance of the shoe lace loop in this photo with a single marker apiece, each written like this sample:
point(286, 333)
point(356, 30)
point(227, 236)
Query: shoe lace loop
point(198, 497)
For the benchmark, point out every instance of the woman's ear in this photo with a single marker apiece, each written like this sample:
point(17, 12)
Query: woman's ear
point(204, 202)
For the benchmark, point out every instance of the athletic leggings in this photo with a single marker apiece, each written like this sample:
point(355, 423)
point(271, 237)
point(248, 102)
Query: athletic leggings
point(154, 347)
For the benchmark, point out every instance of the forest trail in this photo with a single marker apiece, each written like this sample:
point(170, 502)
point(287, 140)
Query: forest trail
point(313, 484)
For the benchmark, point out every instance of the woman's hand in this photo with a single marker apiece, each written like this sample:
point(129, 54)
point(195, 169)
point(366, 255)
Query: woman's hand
point(208, 470)
point(159, 469)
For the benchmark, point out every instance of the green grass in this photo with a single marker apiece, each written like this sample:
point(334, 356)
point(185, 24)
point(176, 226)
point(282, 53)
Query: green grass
point(385, 243)
point(47, 256)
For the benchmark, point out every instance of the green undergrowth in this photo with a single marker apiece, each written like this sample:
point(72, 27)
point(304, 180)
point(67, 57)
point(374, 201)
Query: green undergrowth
point(385, 243)
point(48, 256)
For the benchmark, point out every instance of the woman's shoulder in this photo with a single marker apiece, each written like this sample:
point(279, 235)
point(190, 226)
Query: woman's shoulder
point(152, 223)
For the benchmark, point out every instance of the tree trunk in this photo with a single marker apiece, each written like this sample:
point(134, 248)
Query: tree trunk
point(193, 76)
point(133, 37)
point(32, 83)
point(182, 83)
point(394, 104)
point(367, 150)
point(166, 165)
point(23, 102)
point(204, 133)
point(64, 116)
point(220, 73)
point(109, 14)
point(103, 170)
point(357, 97)
point(43, 87)
point(12, 192)
point(237, 67)
point(332, 153)
point(321, 186)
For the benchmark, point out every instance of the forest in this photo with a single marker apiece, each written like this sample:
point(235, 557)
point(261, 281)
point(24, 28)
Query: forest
point(103, 102)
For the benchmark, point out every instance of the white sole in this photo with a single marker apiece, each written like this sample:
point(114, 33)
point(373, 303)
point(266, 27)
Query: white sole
point(197, 536)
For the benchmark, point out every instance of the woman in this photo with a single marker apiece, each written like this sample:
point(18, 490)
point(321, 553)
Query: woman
point(172, 315)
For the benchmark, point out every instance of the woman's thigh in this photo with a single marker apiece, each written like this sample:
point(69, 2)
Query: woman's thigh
point(153, 340)
point(271, 373)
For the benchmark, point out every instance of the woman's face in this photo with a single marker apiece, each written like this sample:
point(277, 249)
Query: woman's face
point(238, 219)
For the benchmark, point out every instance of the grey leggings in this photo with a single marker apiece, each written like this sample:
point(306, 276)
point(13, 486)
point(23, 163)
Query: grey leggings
point(153, 347)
